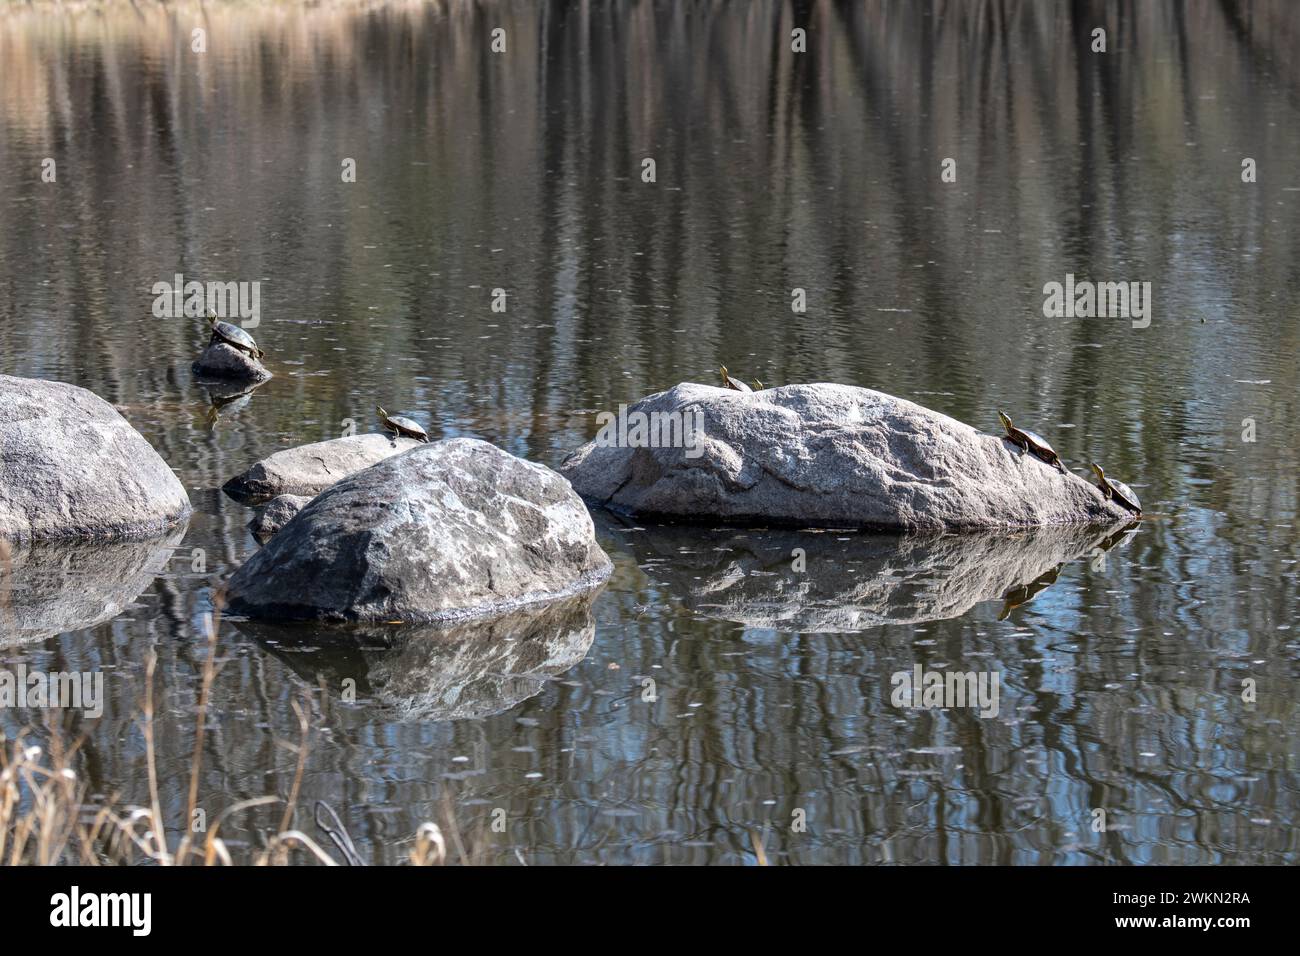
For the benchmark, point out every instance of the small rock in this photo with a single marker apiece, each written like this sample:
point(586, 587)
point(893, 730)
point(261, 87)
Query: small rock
point(447, 531)
point(72, 466)
point(220, 360)
point(310, 469)
point(276, 513)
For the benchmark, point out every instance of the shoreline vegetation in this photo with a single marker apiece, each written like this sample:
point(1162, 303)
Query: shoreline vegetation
point(50, 816)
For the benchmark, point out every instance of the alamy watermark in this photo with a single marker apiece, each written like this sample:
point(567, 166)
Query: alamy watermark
point(635, 429)
point(74, 908)
point(227, 300)
point(1098, 300)
point(932, 690)
point(63, 690)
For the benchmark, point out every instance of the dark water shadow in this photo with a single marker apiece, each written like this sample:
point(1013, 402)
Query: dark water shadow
point(815, 581)
point(430, 673)
point(50, 587)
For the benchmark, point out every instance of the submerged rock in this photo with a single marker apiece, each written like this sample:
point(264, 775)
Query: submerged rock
point(275, 514)
point(424, 672)
point(830, 456)
point(58, 586)
point(446, 531)
point(220, 360)
point(310, 469)
point(72, 466)
point(824, 582)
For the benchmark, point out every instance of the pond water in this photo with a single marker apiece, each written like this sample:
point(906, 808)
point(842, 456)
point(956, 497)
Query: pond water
point(1121, 680)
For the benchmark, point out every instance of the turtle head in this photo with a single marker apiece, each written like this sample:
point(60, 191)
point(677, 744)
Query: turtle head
point(380, 410)
point(1006, 420)
point(1096, 470)
point(211, 316)
point(758, 386)
point(725, 377)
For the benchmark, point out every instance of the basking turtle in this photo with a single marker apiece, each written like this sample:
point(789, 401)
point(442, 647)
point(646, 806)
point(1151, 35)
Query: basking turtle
point(233, 336)
point(402, 426)
point(758, 386)
point(734, 384)
point(1035, 445)
point(1117, 491)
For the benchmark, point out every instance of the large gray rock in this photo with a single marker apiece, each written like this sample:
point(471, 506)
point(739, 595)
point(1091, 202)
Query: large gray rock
point(220, 360)
point(429, 673)
point(825, 582)
point(276, 513)
point(71, 466)
point(831, 456)
point(446, 531)
point(58, 586)
point(310, 469)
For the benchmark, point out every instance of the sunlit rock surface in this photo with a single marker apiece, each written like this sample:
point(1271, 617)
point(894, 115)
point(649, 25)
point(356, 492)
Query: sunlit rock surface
point(51, 587)
point(219, 360)
point(833, 456)
point(72, 467)
point(446, 531)
point(826, 581)
point(425, 672)
point(310, 469)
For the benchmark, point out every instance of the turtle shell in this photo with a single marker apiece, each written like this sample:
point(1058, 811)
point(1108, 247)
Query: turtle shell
point(1126, 492)
point(406, 426)
point(1036, 439)
point(735, 384)
point(234, 335)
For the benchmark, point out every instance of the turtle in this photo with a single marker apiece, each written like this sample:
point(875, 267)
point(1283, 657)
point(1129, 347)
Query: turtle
point(402, 426)
point(1117, 491)
point(233, 336)
point(1035, 445)
point(732, 383)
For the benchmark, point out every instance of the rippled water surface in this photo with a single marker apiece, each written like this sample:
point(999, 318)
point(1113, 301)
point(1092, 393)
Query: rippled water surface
point(1121, 679)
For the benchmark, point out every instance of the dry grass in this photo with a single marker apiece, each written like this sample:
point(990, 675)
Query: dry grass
point(48, 817)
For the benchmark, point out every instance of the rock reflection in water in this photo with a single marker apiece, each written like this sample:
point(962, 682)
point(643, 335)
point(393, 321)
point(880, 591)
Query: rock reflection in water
point(813, 581)
point(226, 399)
point(429, 673)
point(48, 588)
